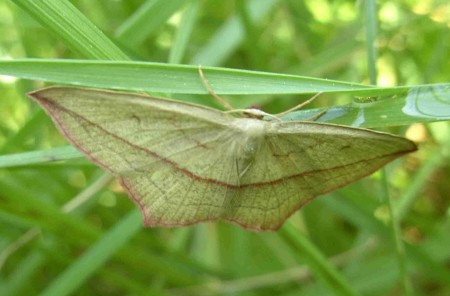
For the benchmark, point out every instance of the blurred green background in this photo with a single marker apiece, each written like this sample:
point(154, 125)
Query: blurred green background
point(66, 228)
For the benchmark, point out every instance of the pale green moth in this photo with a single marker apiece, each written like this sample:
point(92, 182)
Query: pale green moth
point(184, 163)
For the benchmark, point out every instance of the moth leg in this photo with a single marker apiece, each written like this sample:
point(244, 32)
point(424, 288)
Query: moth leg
point(315, 116)
point(219, 99)
point(299, 106)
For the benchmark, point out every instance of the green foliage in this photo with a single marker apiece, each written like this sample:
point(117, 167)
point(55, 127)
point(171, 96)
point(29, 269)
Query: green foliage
point(66, 228)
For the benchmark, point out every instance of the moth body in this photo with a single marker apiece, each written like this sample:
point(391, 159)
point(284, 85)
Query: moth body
point(247, 145)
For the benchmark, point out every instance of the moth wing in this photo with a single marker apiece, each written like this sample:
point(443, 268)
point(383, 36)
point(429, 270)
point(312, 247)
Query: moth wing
point(298, 161)
point(173, 158)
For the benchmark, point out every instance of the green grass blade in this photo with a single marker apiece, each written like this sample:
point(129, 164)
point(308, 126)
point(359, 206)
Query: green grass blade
point(83, 268)
point(184, 32)
point(158, 77)
point(370, 10)
point(370, 21)
point(438, 158)
point(146, 20)
point(317, 262)
point(68, 23)
point(38, 157)
point(230, 35)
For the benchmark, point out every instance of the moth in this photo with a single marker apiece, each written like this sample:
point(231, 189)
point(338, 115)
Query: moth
point(183, 163)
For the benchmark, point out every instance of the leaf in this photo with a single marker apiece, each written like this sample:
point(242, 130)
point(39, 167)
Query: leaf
point(184, 163)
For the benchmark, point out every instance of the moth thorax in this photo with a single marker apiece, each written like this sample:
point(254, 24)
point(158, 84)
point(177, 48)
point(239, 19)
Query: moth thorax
point(248, 142)
point(250, 126)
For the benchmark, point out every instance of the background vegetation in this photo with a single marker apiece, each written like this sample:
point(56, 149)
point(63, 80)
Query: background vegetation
point(66, 228)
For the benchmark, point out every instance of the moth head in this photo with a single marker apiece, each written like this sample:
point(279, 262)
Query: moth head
point(254, 112)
